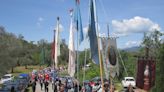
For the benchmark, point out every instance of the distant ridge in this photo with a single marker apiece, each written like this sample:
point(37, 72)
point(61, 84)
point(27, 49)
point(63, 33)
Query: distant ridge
point(132, 49)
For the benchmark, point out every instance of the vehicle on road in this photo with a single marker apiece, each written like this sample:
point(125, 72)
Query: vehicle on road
point(6, 77)
point(129, 81)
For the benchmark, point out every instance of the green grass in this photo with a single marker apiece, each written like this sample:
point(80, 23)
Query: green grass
point(118, 86)
point(21, 69)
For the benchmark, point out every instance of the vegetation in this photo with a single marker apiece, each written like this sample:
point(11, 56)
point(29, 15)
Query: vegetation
point(16, 51)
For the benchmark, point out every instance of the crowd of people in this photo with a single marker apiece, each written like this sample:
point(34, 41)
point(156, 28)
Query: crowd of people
point(48, 76)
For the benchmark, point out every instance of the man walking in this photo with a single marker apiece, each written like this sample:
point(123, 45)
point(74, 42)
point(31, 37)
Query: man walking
point(46, 85)
point(33, 86)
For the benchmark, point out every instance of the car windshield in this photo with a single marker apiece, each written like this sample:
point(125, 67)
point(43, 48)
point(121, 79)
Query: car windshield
point(5, 77)
point(129, 79)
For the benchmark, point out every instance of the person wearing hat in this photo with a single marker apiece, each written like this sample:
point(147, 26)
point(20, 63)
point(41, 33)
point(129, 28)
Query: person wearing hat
point(97, 87)
point(106, 87)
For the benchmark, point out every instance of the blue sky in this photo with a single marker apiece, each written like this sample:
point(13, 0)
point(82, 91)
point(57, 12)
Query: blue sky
point(128, 19)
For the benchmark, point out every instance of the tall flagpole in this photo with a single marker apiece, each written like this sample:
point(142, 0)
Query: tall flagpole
point(77, 53)
point(53, 59)
point(101, 65)
point(56, 44)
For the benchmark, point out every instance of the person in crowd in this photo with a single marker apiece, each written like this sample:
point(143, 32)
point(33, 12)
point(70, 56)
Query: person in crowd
point(62, 88)
point(12, 89)
point(76, 87)
point(112, 88)
point(106, 87)
point(47, 77)
point(41, 80)
point(65, 86)
point(97, 87)
point(59, 83)
point(55, 86)
point(46, 85)
point(87, 87)
point(35, 78)
point(130, 89)
point(33, 86)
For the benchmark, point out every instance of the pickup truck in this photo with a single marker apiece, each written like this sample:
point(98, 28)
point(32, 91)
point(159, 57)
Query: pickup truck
point(128, 81)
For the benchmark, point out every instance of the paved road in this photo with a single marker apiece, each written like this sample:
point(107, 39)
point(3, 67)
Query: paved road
point(38, 89)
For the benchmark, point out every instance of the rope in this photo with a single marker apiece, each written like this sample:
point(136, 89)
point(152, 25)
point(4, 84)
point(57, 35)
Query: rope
point(103, 8)
point(84, 65)
point(122, 62)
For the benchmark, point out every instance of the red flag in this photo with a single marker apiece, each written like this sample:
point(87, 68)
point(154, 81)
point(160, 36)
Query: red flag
point(53, 48)
point(140, 73)
point(152, 66)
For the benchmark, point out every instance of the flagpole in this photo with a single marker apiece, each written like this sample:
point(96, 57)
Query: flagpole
point(77, 57)
point(56, 44)
point(101, 65)
point(84, 65)
point(110, 86)
point(53, 59)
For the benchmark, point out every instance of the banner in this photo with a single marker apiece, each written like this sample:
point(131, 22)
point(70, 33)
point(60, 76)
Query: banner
point(140, 72)
point(106, 63)
point(112, 57)
point(72, 53)
point(92, 35)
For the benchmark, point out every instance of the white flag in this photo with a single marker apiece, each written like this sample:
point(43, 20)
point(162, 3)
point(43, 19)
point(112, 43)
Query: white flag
point(57, 43)
point(72, 54)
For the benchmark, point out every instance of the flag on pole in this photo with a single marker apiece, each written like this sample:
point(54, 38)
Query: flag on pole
point(92, 35)
point(112, 57)
point(57, 43)
point(141, 66)
point(53, 51)
point(104, 41)
point(78, 22)
point(72, 53)
point(110, 60)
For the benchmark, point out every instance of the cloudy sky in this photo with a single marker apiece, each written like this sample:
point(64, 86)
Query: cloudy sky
point(128, 19)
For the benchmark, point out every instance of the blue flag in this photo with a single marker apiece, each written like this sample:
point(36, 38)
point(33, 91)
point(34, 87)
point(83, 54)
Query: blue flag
point(93, 36)
point(78, 22)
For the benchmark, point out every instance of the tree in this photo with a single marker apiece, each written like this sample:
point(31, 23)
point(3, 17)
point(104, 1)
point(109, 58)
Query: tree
point(156, 49)
point(159, 71)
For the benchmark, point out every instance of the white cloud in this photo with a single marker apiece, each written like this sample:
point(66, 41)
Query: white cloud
point(40, 21)
point(129, 44)
point(134, 25)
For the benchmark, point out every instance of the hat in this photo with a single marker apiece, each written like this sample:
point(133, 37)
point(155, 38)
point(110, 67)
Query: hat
point(95, 88)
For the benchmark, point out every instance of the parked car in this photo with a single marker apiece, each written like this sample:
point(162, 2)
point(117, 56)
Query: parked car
point(128, 81)
point(6, 77)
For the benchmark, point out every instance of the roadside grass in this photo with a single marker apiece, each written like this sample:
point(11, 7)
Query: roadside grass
point(118, 87)
point(21, 69)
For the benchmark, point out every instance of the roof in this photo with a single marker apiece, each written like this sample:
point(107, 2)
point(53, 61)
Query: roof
point(8, 75)
point(24, 75)
point(129, 77)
